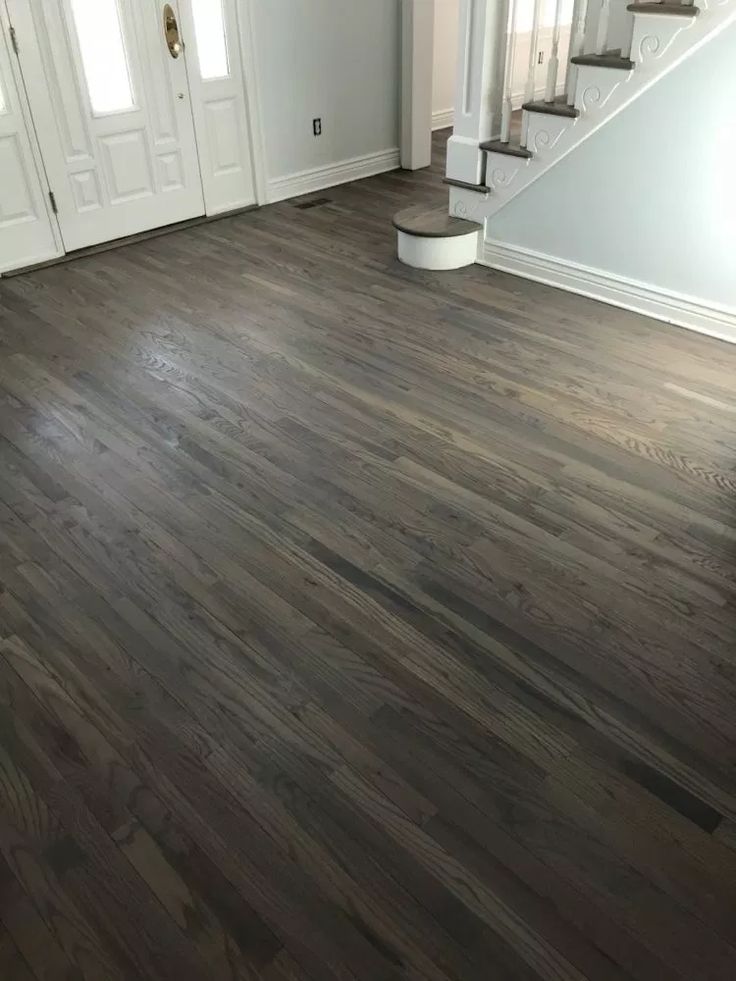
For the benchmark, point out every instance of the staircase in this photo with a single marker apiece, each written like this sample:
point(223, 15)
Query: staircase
point(615, 54)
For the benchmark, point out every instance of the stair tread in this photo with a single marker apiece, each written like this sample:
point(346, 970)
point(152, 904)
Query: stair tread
point(481, 188)
point(557, 108)
point(676, 9)
point(513, 149)
point(432, 222)
point(603, 61)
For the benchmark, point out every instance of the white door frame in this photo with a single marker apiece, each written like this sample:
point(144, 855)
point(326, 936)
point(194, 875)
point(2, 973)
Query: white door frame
point(249, 57)
point(417, 70)
point(39, 173)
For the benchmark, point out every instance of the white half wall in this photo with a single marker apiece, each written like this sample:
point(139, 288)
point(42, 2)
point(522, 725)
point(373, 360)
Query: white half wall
point(337, 60)
point(643, 214)
point(446, 15)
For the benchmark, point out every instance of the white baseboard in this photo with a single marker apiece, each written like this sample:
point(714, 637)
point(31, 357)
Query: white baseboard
point(674, 308)
point(318, 178)
point(443, 118)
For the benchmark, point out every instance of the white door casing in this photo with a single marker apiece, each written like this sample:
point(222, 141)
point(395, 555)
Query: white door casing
point(120, 170)
point(26, 227)
point(417, 68)
point(217, 83)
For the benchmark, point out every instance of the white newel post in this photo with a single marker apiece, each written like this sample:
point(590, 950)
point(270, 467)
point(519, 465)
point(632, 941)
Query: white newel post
point(477, 71)
point(417, 55)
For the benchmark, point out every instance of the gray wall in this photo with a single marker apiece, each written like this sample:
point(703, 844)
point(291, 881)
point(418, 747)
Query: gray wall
point(337, 59)
point(652, 195)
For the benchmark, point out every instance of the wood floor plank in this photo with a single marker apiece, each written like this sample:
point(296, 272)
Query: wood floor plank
point(359, 622)
point(13, 966)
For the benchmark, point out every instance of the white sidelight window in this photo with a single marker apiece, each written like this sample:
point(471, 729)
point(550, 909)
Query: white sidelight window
point(102, 47)
point(209, 26)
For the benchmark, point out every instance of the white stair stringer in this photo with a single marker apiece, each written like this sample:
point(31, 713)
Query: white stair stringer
point(660, 42)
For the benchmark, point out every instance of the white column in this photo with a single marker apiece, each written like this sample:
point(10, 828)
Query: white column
point(479, 86)
point(417, 57)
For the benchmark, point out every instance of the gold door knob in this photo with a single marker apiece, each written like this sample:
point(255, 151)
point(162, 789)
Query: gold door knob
point(171, 32)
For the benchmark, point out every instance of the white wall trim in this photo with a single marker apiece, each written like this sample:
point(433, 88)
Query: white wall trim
point(674, 308)
point(443, 118)
point(40, 172)
point(318, 178)
point(249, 57)
point(417, 68)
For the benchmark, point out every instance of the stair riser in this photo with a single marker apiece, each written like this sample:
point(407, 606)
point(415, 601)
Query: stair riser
point(439, 253)
point(595, 86)
point(654, 34)
point(502, 171)
point(545, 132)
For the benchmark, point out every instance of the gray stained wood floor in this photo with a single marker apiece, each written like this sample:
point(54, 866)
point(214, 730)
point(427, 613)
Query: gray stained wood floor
point(358, 622)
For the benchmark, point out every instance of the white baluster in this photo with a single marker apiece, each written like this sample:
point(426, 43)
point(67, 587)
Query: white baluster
point(577, 45)
point(508, 78)
point(530, 89)
point(601, 37)
point(628, 35)
point(554, 62)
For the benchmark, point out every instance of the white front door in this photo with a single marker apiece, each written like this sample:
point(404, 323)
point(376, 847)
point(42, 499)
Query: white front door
point(26, 231)
point(111, 108)
point(216, 77)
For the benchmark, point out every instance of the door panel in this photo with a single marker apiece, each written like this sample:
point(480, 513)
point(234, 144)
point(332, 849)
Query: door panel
point(26, 231)
point(112, 112)
point(217, 86)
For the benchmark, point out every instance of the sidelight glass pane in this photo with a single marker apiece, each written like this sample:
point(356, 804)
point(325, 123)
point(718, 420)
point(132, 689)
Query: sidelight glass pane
point(209, 26)
point(102, 47)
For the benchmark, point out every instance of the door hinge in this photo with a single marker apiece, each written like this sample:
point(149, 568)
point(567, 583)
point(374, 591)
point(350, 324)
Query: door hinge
point(14, 39)
point(52, 199)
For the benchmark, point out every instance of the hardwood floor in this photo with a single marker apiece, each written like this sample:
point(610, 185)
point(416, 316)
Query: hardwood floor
point(358, 622)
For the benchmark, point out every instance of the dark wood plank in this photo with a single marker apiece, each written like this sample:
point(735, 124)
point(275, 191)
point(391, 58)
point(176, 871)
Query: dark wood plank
point(432, 223)
point(13, 966)
point(360, 623)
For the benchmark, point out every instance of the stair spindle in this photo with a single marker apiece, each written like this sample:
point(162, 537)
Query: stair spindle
point(508, 79)
point(530, 90)
point(601, 42)
point(577, 45)
point(628, 35)
point(554, 62)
